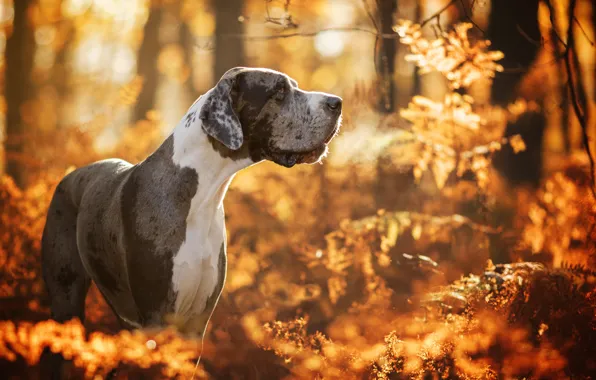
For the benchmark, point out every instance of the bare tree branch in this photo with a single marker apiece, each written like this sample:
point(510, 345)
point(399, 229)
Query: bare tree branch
point(378, 34)
point(370, 15)
point(378, 31)
point(469, 17)
point(285, 21)
point(527, 37)
point(576, 89)
point(314, 34)
point(583, 31)
point(437, 14)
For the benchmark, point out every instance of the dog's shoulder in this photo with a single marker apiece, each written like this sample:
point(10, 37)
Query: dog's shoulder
point(96, 171)
point(92, 178)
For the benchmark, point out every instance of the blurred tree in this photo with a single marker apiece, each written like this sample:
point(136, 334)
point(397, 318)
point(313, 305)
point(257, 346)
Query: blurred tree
point(147, 63)
point(229, 52)
point(186, 40)
point(386, 51)
point(594, 28)
point(563, 90)
point(62, 68)
point(20, 47)
point(517, 35)
point(416, 87)
point(513, 29)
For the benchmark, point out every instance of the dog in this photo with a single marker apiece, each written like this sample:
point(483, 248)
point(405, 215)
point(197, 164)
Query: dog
point(152, 235)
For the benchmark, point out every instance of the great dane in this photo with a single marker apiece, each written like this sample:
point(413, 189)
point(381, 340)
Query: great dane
point(152, 235)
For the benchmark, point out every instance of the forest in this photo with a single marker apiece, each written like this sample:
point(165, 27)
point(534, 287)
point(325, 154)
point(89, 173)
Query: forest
point(450, 233)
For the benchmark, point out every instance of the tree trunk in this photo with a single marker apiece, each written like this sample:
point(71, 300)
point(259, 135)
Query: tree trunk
point(417, 86)
point(513, 29)
point(564, 94)
point(186, 40)
point(386, 51)
point(229, 51)
point(594, 68)
point(61, 75)
point(20, 47)
point(147, 64)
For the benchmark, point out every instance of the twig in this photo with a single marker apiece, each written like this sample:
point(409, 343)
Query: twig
point(437, 29)
point(286, 22)
point(469, 17)
point(583, 31)
point(378, 31)
point(527, 37)
point(370, 15)
point(574, 95)
point(437, 14)
point(521, 69)
point(570, 53)
point(314, 34)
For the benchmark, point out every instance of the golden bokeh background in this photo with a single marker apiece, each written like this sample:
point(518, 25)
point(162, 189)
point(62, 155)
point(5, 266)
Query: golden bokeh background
point(448, 234)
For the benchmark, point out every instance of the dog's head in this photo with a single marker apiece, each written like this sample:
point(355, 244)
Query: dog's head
point(264, 113)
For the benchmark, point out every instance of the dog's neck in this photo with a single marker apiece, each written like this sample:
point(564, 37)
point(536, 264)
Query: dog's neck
point(193, 149)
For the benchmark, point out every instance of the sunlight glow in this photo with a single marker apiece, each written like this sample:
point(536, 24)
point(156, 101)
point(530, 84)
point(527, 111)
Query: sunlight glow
point(94, 55)
point(118, 9)
point(366, 144)
point(44, 58)
point(45, 35)
point(123, 64)
point(75, 7)
point(124, 12)
point(341, 13)
point(324, 77)
point(106, 140)
point(329, 44)
point(6, 12)
point(88, 54)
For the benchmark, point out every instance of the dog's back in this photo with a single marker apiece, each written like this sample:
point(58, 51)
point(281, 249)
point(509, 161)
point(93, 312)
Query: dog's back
point(95, 189)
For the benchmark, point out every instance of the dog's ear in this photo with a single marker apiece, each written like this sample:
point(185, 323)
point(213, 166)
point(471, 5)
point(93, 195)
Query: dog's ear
point(218, 116)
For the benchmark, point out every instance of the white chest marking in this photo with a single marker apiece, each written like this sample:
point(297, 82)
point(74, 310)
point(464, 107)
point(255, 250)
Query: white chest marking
point(196, 272)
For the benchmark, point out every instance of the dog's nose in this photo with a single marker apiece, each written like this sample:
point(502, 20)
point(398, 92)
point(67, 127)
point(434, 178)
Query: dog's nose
point(333, 103)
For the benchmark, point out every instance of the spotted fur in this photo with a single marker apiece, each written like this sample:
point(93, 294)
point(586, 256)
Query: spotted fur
point(218, 117)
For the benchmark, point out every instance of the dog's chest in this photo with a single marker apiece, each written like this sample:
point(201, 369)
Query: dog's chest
point(196, 272)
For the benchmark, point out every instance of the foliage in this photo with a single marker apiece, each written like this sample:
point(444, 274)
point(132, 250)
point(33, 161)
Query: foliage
point(559, 219)
point(454, 137)
point(452, 54)
point(99, 353)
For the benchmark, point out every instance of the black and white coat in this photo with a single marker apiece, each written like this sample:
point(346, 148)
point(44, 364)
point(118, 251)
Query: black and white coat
point(152, 235)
